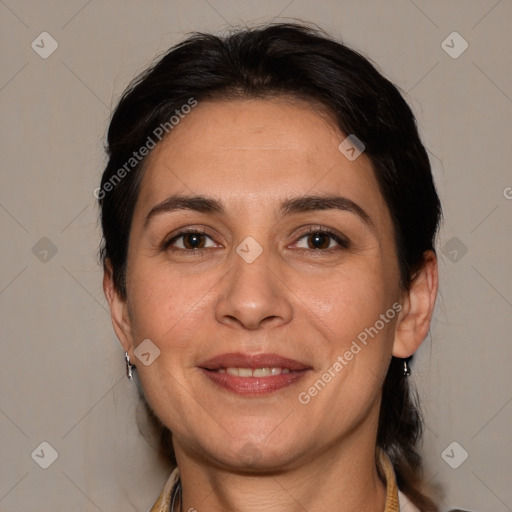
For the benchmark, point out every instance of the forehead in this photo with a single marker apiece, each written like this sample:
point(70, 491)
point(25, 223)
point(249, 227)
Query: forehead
point(255, 152)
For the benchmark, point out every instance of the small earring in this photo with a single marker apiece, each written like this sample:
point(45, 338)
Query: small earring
point(407, 370)
point(129, 366)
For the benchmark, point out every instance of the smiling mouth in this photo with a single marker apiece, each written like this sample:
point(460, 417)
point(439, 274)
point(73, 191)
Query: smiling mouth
point(253, 372)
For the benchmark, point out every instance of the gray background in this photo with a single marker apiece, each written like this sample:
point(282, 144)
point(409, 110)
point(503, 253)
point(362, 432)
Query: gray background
point(62, 375)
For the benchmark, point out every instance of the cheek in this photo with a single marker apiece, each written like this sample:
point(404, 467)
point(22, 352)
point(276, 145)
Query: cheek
point(175, 310)
point(170, 310)
point(346, 300)
point(356, 319)
point(162, 298)
point(352, 310)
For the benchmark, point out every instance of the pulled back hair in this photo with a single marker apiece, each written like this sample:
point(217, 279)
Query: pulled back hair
point(299, 62)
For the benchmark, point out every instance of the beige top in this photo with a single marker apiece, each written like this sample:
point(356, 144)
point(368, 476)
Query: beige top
point(396, 501)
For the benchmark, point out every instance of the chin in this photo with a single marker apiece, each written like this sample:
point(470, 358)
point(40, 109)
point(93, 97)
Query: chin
point(254, 457)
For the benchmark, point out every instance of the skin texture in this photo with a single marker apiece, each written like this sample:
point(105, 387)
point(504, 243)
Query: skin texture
point(270, 452)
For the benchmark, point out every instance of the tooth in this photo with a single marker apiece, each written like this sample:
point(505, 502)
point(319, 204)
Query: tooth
point(261, 372)
point(257, 372)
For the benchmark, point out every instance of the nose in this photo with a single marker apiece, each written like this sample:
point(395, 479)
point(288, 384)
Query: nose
point(253, 295)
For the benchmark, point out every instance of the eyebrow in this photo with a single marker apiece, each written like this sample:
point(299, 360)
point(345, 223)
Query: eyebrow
point(300, 204)
point(195, 203)
point(327, 202)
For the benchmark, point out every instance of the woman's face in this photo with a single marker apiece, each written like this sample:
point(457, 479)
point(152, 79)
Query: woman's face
point(293, 256)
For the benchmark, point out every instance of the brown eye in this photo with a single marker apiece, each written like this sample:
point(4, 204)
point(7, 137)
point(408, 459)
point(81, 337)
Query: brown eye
point(193, 241)
point(319, 240)
point(190, 241)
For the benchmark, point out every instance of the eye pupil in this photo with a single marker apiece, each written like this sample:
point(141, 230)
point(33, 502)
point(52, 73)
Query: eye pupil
point(193, 240)
point(318, 241)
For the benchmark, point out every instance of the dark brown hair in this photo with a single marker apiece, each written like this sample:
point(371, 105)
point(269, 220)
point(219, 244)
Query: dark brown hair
point(299, 62)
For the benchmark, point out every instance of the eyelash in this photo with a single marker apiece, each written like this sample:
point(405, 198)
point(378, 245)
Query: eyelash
point(341, 241)
point(167, 244)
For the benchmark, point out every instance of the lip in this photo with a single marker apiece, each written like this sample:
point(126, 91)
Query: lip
point(250, 386)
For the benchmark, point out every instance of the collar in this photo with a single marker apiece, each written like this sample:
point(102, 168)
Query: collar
point(384, 465)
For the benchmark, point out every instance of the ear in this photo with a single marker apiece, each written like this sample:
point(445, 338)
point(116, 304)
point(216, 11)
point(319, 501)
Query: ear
point(417, 308)
point(118, 308)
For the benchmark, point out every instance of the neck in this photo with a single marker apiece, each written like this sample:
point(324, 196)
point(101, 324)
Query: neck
point(340, 479)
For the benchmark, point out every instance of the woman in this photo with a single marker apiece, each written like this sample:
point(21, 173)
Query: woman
point(269, 218)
